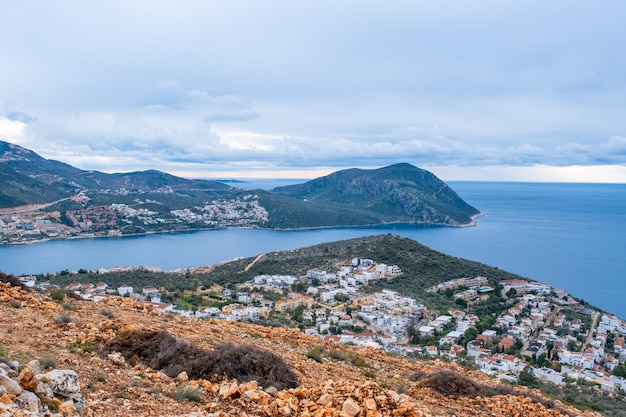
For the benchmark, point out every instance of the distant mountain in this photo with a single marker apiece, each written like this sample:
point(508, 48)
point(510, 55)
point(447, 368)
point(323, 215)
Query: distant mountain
point(397, 193)
point(152, 201)
point(67, 178)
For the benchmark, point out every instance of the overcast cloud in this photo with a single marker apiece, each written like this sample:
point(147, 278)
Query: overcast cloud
point(528, 90)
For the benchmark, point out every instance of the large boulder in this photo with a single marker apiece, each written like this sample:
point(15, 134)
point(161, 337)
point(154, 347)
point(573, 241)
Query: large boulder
point(28, 377)
point(10, 386)
point(63, 382)
point(10, 367)
point(29, 401)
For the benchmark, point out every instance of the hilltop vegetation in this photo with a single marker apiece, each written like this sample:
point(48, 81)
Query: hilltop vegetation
point(399, 192)
point(422, 268)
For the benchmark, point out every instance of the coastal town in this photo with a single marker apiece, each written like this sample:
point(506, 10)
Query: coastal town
point(31, 223)
point(542, 331)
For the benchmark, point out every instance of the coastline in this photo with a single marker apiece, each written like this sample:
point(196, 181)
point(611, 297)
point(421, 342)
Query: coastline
point(474, 220)
point(472, 223)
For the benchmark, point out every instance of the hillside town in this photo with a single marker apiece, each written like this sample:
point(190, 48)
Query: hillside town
point(543, 330)
point(33, 224)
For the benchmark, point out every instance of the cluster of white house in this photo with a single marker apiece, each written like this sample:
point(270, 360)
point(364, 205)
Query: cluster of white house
point(27, 226)
point(474, 282)
point(536, 312)
point(389, 312)
point(471, 289)
point(144, 215)
point(240, 211)
point(116, 268)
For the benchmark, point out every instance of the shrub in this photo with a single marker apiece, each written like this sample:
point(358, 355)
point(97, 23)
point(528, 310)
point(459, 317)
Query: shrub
point(69, 306)
point(13, 280)
point(15, 304)
point(86, 347)
point(314, 353)
point(337, 355)
point(357, 361)
point(107, 313)
point(63, 319)
point(452, 383)
point(162, 351)
point(57, 294)
point(418, 376)
point(186, 393)
point(48, 362)
point(369, 373)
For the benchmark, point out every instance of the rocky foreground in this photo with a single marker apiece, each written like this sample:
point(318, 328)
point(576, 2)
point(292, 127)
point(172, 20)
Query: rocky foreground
point(56, 360)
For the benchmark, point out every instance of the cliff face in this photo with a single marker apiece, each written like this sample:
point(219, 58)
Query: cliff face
point(332, 380)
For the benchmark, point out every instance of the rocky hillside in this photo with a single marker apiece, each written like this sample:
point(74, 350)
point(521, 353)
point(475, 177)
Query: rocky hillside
point(123, 358)
point(400, 192)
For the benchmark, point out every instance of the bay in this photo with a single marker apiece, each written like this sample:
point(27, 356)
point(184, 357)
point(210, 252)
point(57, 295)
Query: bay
point(572, 236)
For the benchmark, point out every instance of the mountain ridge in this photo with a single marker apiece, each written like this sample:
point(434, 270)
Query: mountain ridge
point(399, 193)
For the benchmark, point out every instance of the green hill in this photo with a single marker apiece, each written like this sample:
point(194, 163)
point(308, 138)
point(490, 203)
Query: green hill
point(397, 193)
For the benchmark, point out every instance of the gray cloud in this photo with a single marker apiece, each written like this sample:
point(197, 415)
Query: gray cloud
point(18, 116)
point(205, 86)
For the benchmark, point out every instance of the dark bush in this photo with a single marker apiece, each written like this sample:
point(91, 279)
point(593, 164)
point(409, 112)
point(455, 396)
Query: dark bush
point(107, 313)
point(72, 294)
point(63, 319)
point(448, 382)
point(160, 350)
point(452, 383)
point(418, 376)
point(12, 279)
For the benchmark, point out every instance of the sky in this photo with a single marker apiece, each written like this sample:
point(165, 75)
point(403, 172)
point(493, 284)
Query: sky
point(471, 90)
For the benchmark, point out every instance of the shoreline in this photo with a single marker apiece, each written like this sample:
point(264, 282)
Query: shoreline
point(472, 223)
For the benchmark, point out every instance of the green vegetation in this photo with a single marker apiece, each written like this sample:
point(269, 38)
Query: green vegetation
point(586, 396)
point(315, 353)
point(186, 393)
point(48, 362)
point(80, 347)
point(63, 319)
point(422, 268)
point(57, 294)
point(394, 193)
point(69, 306)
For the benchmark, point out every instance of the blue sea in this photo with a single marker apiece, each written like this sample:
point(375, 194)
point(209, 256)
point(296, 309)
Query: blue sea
point(572, 236)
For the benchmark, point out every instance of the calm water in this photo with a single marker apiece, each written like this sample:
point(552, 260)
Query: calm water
point(570, 235)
